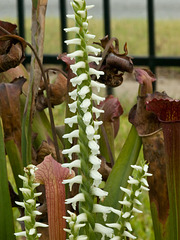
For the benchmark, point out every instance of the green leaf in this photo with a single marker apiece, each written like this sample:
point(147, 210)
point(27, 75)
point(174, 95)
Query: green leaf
point(6, 217)
point(121, 171)
point(16, 163)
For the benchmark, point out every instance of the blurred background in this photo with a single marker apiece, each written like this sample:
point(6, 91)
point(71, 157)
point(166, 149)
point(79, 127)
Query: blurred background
point(151, 29)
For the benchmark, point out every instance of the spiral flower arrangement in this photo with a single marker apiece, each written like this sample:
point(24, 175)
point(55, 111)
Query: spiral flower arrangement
point(122, 228)
point(87, 147)
point(29, 204)
point(84, 226)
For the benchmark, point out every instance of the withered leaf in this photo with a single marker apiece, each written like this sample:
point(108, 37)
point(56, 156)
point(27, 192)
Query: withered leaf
point(11, 28)
point(58, 91)
point(14, 54)
point(113, 63)
point(10, 109)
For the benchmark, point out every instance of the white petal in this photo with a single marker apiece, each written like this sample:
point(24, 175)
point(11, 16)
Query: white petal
point(144, 181)
point(71, 121)
point(89, 17)
point(94, 160)
point(37, 194)
point(85, 104)
point(77, 198)
point(39, 235)
point(137, 193)
point(78, 226)
point(125, 203)
point(116, 238)
point(82, 237)
point(32, 231)
point(24, 218)
point(82, 13)
point(126, 215)
point(136, 210)
point(34, 185)
point(67, 230)
point(73, 106)
point(97, 124)
point(89, 36)
point(137, 202)
point(76, 66)
point(25, 190)
point(81, 218)
point(85, 24)
point(73, 94)
point(88, 7)
point(72, 29)
point(116, 211)
point(97, 85)
point(78, 53)
point(99, 192)
point(128, 225)
point(94, 147)
point(31, 201)
point(71, 135)
point(96, 176)
point(127, 234)
point(76, 41)
point(139, 168)
point(147, 174)
point(20, 204)
point(39, 224)
point(114, 225)
point(71, 181)
point(145, 168)
point(103, 230)
point(96, 72)
point(97, 98)
point(127, 191)
point(97, 111)
point(25, 179)
point(133, 181)
point(87, 118)
point(71, 16)
point(145, 188)
point(83, 91)
point(75, 163)
point(78, 80)
point(97, 208)
point(20, 234)
point(90, 132)
point(93, 50)
point(36, 212)
point(94, 59)
point(70, 151)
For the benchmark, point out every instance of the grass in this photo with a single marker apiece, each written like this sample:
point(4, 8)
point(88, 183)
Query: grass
point(132, 31)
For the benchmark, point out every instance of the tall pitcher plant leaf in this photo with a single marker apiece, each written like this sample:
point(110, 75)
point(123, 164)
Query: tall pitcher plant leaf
point(149, 128)
point(11, 118)
point(168, 112)
point(51, 174)
point(6, 219)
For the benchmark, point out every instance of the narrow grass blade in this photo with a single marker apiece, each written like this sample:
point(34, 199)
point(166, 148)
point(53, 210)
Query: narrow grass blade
point(6, 217)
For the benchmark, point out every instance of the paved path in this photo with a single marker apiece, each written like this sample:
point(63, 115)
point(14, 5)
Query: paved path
point(164, 9)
